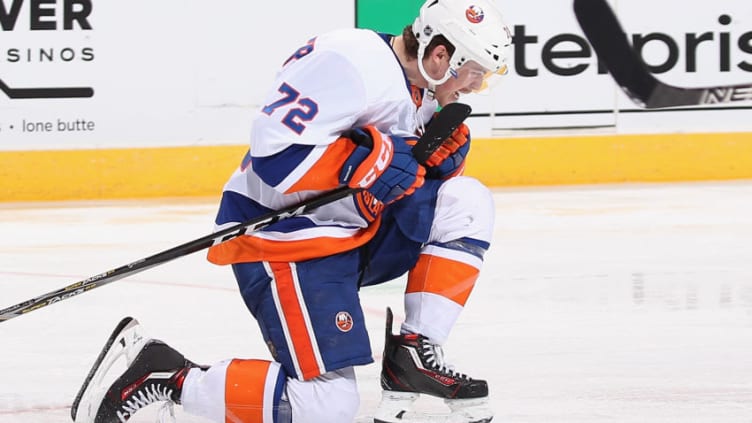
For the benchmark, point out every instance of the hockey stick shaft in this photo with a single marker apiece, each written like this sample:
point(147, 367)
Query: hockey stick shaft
point(611, 44)
point(444, 125)
point(168, 255)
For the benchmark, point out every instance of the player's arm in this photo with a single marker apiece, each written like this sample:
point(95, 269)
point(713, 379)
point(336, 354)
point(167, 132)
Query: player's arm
point(361, 158)
point(307, 139)
point(296, 142)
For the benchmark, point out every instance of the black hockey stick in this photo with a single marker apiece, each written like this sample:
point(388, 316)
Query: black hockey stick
point(603, 30)
point(440, 129)
point(55, 92)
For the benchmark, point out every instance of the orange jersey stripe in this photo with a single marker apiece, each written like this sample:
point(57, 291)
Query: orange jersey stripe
point(324, 174)
point(244, 391)
point(438, 275)
point(302, 340)
point(248, 248)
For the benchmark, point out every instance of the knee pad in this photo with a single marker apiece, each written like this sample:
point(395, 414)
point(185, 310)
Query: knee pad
point(464, 209)
point(331, 397)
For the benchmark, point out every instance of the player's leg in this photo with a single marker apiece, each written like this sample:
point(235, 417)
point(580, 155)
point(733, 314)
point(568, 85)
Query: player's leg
point(439, 235)
point(311, 319)
point(233, 391)
point(258, 391)
point(441, 276)
point(310, 316)
point(450, 261)
point(134, 371)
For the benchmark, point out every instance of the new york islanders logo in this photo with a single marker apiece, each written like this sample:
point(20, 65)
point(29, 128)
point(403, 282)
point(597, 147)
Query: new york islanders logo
point(344, 321)
point(474, 14)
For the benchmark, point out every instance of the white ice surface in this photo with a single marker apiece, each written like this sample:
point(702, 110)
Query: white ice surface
point(595, 304)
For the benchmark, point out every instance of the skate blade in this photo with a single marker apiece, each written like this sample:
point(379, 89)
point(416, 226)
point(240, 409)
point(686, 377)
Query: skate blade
point(419, 417)
point(393, 406)
point(471, 410)
point(126, 340)
point(396, 407)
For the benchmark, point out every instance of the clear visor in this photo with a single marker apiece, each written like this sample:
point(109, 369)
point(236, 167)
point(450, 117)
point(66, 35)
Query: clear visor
point(472, 77)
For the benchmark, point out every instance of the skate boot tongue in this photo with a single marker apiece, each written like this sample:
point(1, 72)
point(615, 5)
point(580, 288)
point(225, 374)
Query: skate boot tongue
point(434, 356)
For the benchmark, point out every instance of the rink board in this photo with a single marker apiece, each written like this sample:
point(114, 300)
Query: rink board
point(47, 175)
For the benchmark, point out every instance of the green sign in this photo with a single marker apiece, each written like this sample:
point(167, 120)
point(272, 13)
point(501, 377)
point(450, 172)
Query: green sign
point(389, 16)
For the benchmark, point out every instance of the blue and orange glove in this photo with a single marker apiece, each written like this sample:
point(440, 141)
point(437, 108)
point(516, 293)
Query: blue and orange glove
point(449, 159)
point(382, 165)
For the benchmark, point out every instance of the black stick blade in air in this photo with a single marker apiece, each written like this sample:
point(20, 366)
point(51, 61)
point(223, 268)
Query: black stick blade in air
point(611, 45)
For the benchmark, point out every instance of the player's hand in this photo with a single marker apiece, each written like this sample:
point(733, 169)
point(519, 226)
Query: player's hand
point(383, 165)
point(449, 159)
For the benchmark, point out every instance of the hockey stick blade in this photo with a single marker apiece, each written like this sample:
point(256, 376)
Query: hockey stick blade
point(441, 128)
point(611, 45)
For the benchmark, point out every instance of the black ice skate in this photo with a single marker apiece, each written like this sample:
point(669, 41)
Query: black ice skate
point(154, 373)
point(412, 366)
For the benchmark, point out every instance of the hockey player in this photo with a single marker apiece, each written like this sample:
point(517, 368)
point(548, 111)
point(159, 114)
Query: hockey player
point(344, 109)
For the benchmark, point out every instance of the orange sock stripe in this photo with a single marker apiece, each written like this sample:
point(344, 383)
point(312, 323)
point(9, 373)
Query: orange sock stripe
point(438, 275)
point(295, 320)
point(244, 391)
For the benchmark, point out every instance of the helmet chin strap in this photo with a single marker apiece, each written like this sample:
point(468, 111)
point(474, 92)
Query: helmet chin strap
point(432, 83)
point(431, 92)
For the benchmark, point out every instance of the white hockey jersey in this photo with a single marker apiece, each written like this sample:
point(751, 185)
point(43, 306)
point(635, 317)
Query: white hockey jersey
point(340, 80)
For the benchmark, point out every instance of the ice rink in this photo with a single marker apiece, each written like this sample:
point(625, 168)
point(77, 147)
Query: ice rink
point(624, 303)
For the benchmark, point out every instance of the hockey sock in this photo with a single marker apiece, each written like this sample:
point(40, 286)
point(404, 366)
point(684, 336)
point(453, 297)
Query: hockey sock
point(237, 391)
point(437, 289)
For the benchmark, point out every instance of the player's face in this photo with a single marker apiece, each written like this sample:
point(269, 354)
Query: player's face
point(471, 77)
point(436, 64)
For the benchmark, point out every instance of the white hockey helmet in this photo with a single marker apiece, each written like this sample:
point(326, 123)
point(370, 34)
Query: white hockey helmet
point(475, 28)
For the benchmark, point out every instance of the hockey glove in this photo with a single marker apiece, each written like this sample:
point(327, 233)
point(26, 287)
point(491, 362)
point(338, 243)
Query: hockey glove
point(449, 159)
point(382, 165)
